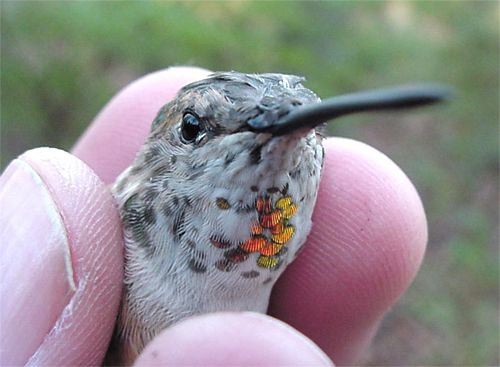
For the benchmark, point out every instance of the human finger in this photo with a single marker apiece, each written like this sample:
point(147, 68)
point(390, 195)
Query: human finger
point(232, 339)
point(61, 261)
point(367, 242)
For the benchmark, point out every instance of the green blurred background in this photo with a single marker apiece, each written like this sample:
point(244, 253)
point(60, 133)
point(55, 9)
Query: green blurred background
point(62, 61)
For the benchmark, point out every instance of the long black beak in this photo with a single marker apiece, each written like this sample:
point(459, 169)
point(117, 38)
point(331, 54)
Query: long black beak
point(396, 98)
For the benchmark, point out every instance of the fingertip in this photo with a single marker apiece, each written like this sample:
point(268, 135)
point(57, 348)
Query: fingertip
point(378, 211)
point(368, 239)
point(111, 142)
point(79, 330)
point(34, 243)
point(232, 339)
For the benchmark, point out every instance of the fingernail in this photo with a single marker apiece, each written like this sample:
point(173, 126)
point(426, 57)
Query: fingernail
point(35, 263)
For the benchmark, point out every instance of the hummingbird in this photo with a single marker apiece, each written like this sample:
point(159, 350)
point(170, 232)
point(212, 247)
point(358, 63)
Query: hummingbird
point(219, 199)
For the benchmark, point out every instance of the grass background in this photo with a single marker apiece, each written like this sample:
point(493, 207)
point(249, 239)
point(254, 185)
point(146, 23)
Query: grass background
point(62, 61)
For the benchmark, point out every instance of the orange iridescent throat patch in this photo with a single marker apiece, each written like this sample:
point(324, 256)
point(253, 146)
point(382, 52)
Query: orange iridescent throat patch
point(272, 231)
point(269, 233)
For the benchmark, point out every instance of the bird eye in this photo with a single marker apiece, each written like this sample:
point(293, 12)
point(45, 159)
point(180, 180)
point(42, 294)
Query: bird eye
point(190, 128)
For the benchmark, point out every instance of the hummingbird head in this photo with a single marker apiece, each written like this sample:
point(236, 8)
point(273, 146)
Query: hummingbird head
point(223, 122)
point(239, 117)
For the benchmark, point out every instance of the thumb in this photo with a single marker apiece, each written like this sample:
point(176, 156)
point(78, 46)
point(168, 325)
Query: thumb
point(61, 261)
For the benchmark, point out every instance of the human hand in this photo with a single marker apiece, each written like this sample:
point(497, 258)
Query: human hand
point(61, 254)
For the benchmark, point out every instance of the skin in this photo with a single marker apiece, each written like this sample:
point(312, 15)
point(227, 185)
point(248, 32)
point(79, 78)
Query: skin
point(367, 242)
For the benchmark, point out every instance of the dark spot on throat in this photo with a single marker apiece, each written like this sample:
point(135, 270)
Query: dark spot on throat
point(198, 166)
point(250, 274)
point(136, 219)
point(224, 265)
point(166, 210)
point(284, 191)
point(178, 227)
point(130, 202)
point(149, 194)
point(222, 203)
point(197, 266)
point(236, 255)
point(229, 159)
point(220, 243)
point(295, 174)
point(273, 190)
point(149, 215)
point(255, 155)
